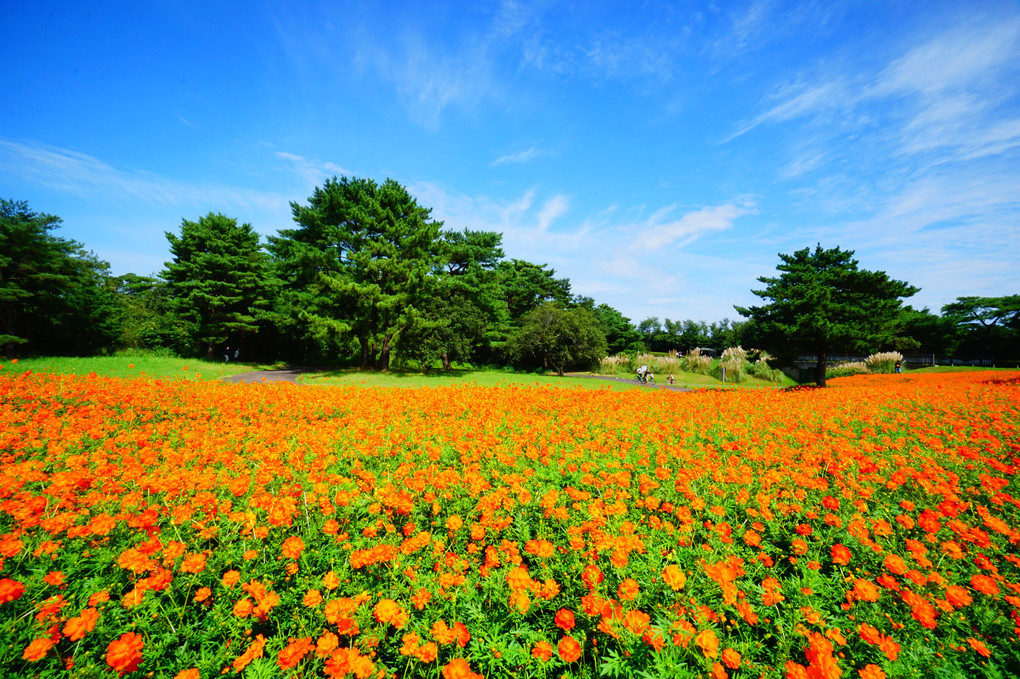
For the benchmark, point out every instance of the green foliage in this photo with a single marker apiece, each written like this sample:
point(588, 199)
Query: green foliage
point(846, 370)
point(621, 335)
point(467, 316)
point(562, 339)
point(55, 297)
point(217, 279)
point(884, 362)
point(933, 334)
point(993, 323)
point(526, 286)
point(821, 302)
point(359, 264)
point(147, 320)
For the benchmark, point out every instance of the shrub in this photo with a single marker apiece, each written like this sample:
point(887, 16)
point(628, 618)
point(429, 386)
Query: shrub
point(628, 364)
point(694, 362)
point(884, 362)
point(845, 369)
point(734, 362)
point(761, 369)
point(611, 365)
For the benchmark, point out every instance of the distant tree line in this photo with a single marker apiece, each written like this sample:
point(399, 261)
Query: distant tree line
point(366, 277)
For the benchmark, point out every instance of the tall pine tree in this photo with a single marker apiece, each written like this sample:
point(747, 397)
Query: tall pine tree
point(218, 279)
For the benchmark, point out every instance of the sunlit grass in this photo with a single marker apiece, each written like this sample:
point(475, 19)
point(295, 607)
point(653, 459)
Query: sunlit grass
point(130, 365)
point(482, 378)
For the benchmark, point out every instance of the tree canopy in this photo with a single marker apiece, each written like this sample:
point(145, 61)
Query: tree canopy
point(361, 260)
point(217, 278)
point(54, 296)
point(561, 339)
point(992, 317)
point(822, 302)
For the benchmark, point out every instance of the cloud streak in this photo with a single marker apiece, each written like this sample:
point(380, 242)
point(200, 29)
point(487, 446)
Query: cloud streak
point(517, 157)
point(658, 232)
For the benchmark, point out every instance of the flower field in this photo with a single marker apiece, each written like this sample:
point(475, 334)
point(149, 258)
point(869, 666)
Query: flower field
point(193, 529)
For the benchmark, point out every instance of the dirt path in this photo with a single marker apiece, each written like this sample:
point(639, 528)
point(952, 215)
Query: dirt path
point(283, 375)
point(655, 385)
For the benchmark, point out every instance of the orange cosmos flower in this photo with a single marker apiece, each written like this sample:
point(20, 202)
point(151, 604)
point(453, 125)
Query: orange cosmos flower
point(312, 598)
point(708, 642)
point(193, 563)
point(10, 590)
point(125, 654)
point(731, 658)
point(871, 671)
point(984, 584)
point(243, 608)
point(628, 589)
point(344, 661)
point(564, 619)
point(77, 627)
point(331, 581)
point(542, 650)
point(458, 668)
point(36, 650)
point(291, 654)
point(54, 578)
point(99, 598)
point(421, 598)
point(636, 621)
point(592, 576)
point(674, 577)
point(569, 649)
point(231, 578)
point(427, 652)
point(958, 596)
point(540, 548)
point(895, 564)
point(292, 547)
point(388, 611)
point(326, 644)
point(889, 647)
point(254, 651)
point(840, 554)
point(193, 673)
point(865, 590)
point(979, 646)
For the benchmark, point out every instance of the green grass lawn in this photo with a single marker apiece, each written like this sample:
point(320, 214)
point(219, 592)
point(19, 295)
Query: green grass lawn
point(150, 365)
point(131, 365)
point(503, 378)
point(487, 378)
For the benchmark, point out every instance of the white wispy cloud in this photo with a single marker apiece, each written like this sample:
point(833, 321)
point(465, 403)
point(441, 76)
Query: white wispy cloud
point(942, 90)
point(313, 172)
point(552, 210)
point(658, 231)
point(86, 176)
point(518, 157)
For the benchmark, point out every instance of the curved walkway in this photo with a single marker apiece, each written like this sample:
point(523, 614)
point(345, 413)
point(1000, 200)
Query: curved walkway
point(630, 380)
point(257, 377)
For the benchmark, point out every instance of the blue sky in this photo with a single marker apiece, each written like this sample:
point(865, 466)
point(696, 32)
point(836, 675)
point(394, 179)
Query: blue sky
point(660, 155)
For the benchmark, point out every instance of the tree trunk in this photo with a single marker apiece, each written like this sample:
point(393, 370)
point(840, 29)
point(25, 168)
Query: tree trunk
point(384, 353)
point(820, 369)
point(366, 353)
point(446, 361)
point(210, 350)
